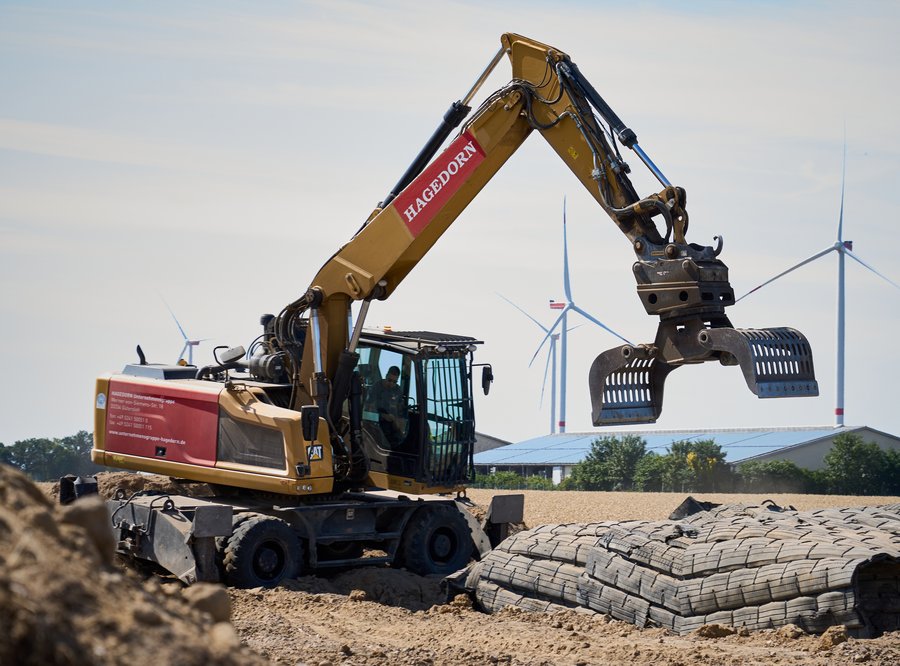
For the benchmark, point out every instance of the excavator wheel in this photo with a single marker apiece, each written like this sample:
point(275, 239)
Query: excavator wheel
point(436, 540)
point(261, 552)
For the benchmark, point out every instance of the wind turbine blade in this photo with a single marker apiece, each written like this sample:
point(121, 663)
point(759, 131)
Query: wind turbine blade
point(183, 334)
point(599, 323)
point(187, 345)
point(543, 328)
point(883, 277)
point(549, 333)
point(840, 236)
point(566, 286)
point(544, 382)
point(830, 248)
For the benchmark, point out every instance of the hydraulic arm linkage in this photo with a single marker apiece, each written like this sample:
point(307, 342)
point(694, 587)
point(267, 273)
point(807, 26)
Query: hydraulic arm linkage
point(685, 284)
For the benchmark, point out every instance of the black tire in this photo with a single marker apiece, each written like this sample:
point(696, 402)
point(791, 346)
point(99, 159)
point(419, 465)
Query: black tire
point(261, 552)
point(437, 540)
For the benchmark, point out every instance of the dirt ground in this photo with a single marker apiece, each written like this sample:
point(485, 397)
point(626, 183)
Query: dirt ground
point(543, 507)
point(382, 616)
point(387, 617)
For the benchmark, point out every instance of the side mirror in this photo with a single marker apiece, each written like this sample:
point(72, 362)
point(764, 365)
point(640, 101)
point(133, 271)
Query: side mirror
point(309, 422)
point(487, 376)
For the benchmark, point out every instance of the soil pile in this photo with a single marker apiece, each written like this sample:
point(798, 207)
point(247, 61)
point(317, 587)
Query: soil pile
point(389, 587)
point(63, 600)
point(295, 627)
point(130, 483)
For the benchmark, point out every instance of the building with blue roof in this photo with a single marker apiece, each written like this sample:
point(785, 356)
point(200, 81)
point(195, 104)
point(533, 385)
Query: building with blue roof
point(553, 456)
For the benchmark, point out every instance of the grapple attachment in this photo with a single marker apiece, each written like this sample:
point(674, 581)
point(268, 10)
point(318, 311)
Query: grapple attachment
point(627, 385)
point(776, 362)
point(627, 382)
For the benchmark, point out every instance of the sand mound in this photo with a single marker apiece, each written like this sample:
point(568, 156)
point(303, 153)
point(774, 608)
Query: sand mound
point(389, 587)
point(63, 601)
point(131, 482)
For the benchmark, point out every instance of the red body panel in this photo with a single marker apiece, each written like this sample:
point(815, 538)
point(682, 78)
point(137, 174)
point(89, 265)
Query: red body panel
point(162, 420)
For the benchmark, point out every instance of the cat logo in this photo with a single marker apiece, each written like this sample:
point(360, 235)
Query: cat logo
point(314, 452)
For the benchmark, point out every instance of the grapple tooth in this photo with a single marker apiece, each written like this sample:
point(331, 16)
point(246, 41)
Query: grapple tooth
point(776, 362)
point(627, 385)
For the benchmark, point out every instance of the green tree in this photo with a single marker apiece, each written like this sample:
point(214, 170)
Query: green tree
point(649, 473)
point(500, 480)
point(46, 459)
point(568, 483)
point(697, 466)
point(676, 474)
point(538, 483)
point(891, 476)
point(854, 467)
point(41, 458)
point(79, 446)
point(774, 476)
point(610, 464)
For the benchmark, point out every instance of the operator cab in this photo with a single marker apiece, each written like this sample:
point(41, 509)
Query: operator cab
point(418, 417)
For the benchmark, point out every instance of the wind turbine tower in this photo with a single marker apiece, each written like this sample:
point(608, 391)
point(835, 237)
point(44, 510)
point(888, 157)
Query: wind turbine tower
point(561, 322)
point(549, 366)
point(189, 343)
point(843, 249)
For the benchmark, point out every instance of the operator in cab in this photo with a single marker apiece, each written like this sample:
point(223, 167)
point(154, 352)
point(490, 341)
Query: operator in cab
point(389, 402)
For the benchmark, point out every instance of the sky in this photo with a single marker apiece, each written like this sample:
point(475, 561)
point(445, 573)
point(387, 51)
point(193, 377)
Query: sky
point(212, 155)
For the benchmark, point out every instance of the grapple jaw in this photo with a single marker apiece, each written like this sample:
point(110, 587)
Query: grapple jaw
point(627, 382)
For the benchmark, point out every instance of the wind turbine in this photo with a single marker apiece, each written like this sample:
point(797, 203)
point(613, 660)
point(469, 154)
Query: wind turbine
point(562, 322)
point(551, 361)
point(189, 344)
point(843, 249)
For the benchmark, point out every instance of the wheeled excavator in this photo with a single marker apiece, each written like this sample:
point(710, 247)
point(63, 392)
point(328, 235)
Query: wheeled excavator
point(325, 439)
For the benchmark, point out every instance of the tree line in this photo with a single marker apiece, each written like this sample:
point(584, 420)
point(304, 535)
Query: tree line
point(852, 467)
point(45, 459)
